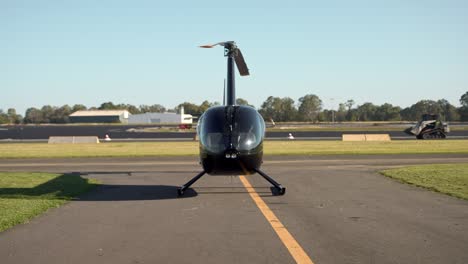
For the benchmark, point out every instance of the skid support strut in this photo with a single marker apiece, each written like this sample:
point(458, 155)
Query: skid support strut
point(279, 187)
point(181, 189)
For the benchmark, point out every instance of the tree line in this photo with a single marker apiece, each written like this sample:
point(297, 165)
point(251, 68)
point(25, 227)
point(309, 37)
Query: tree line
point(308, 109)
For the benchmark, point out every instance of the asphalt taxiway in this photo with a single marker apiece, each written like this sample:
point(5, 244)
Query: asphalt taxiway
point(337, 209)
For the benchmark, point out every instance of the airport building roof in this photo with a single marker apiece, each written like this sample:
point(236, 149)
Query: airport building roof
point(101, 113)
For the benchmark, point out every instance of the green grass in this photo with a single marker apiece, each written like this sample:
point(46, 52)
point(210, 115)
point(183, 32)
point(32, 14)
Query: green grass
point(154, 149)
point(451, 179)
point(25, 195)
point(362, 148)
point(112, 149)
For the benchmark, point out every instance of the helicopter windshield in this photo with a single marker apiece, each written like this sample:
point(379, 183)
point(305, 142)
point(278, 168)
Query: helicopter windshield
point(241, 126)
point(211, 130)
point(248, 129)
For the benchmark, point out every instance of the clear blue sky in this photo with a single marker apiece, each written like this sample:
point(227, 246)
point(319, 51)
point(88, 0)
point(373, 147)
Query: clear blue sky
point(145, 52)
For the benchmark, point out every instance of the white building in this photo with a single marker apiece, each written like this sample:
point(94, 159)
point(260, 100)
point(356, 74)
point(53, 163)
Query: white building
point(100, 116)
point(161, 118)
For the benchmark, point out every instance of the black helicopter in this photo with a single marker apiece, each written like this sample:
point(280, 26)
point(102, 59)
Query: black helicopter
point(231, 136)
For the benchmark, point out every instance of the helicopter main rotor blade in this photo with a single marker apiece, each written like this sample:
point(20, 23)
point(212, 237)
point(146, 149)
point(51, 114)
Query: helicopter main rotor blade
point(208, 46)
point(240, 62)
point(224, 44)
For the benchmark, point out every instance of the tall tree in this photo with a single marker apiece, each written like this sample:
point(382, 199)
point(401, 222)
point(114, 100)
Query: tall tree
point(47, 113)
point(269, 108)
point(156, 108)
point(204, 106)
point(190, 108)
point(33, 116)
point(350, 116)
point(288, 110)
point(309, 107)
point(415, 111)
point(464, 99)
point(464, 108)
point(13, 117)
point(366, 112)
point(78, 107)
point(60, 115)
point(349, 104)
point(388, 112)
point(241, 101)
point(3, 117)
point(448, 111)
point(107, 106)
point(326, 115)
point(132, 109)
point(279, 109)
point(340, 115)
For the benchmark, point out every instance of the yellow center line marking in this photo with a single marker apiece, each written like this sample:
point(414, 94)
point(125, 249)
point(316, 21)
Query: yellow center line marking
point(296, 251)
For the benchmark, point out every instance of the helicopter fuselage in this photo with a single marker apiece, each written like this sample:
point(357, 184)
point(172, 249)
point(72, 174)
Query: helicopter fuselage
point(231, 140)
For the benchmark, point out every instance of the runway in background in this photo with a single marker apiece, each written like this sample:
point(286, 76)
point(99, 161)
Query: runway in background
point(135, 133)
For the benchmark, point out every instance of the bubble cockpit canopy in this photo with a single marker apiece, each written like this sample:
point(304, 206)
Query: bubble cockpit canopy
point(231, 127)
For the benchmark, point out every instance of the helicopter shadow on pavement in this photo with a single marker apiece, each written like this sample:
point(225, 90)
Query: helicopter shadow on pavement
point(130, 192)
point(64, 186)
point(110, 192)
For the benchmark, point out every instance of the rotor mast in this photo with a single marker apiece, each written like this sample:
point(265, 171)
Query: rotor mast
point(229, 49)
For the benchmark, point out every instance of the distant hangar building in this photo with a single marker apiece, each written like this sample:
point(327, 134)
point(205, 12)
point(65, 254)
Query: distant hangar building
point(100, 116)
point(161, 118)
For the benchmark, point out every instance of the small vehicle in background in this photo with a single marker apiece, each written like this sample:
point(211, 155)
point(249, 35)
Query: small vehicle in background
point(430, 127)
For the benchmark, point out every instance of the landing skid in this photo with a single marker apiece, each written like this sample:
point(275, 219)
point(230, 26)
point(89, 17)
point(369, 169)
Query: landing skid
point(281, 190)
point(181, 189)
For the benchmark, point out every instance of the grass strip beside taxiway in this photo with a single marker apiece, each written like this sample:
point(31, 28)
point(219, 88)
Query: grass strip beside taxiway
point(451, 179)
point(293, 147)
point(25, 195)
